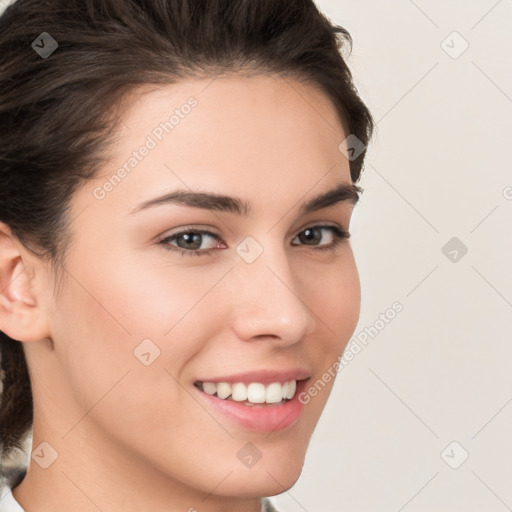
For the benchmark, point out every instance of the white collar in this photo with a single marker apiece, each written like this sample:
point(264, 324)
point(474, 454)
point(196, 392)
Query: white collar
point(8, 503)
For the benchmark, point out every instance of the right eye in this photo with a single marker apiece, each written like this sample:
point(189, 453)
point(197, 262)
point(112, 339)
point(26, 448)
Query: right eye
point(189, 241)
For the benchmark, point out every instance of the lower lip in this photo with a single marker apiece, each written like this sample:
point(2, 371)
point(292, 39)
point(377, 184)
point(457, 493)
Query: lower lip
point(260, 417)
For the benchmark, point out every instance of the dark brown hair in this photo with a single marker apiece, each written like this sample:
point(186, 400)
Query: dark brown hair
point(57, 117)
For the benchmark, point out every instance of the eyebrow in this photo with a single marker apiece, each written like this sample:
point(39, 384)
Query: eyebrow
point(216, 202)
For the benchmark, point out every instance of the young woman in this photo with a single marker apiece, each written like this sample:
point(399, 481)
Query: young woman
point(177, 179)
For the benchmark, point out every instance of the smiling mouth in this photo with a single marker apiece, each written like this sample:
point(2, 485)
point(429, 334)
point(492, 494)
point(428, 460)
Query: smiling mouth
point(255, 393)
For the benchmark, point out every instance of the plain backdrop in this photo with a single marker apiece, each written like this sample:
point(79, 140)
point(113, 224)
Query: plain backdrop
point(420, 418)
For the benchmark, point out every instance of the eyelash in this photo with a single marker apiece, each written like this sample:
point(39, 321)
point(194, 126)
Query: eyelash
point(340, 236)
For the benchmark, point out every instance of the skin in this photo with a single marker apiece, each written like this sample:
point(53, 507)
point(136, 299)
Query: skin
point(128, 436)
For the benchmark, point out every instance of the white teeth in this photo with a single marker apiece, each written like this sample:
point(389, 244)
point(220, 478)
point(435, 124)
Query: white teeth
point(210, 388)
point(254, 393)
point(239, 392)
point(292, 386)
point(284, 390)
point(273, 393)
point(223, 389)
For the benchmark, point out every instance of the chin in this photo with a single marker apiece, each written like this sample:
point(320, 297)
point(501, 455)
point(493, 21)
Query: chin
point(264, 479)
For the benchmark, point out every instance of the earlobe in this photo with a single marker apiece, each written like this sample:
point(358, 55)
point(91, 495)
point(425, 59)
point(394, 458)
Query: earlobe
point(21, 317)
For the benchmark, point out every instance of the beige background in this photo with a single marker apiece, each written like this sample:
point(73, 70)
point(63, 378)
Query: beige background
point(438, 168)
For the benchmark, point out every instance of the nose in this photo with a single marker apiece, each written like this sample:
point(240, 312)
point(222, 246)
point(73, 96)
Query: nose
point(267, 304)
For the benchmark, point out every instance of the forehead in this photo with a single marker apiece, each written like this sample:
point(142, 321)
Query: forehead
point(266, 94)
point(266, 136)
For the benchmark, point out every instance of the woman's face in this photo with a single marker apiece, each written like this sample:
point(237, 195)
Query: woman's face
point(142, 322)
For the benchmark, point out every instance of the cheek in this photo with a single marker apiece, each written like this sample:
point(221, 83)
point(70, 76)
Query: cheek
point(112, 313)
point(336, 304)
point(335, 298)
point(349, 300)
point(140, 300)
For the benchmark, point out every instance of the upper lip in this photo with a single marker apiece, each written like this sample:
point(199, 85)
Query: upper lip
point(265, 376)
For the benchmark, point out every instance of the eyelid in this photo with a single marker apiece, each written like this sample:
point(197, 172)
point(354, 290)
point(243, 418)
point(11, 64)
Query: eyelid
point(207, 230)
point(340, 235)
point(186, 229)
point(190, 229)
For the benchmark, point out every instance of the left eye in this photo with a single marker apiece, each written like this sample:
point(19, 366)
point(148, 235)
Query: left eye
point(189, 241)
point(314, 234)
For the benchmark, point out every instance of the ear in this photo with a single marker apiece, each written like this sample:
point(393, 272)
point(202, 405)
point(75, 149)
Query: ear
point(21, 315)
